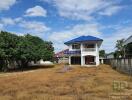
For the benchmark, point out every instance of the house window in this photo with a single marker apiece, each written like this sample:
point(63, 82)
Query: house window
point(88, 45)
point(76, 46)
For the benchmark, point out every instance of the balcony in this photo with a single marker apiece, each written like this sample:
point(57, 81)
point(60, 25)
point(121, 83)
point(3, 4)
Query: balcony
point(72, 53)
point(89, 49)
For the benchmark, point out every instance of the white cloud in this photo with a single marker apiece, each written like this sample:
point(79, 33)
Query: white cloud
point(59, 46)
point(110, 41)
point(34, 27)
point(78, 30)
point(18, 19)
point(48, 1)
point(94, 29)
point(84, 9)
point(36, 11)
point(1, 26)
point(111, 10)
point(6, 4)
point(7, 21)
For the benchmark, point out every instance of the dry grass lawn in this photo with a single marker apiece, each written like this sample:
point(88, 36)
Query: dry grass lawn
point(76, 84)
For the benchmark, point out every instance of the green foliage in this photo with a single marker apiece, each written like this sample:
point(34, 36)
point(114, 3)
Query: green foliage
point(102, 53)
point(8, 43)
point(120, 48)
point(117, 54)
point(24, 48)
point(119, 45)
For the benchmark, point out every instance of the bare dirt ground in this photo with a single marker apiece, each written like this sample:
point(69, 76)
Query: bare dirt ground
point(76, 84)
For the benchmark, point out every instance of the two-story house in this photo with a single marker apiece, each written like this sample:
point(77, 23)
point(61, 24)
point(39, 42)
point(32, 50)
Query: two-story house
point(84, 51)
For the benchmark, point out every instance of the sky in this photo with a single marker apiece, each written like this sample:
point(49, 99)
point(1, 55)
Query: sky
point(62, 20)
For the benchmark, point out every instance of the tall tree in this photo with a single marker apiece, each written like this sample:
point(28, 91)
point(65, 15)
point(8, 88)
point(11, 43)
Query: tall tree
point(23, 49)
point(8, 44)
point(102, 53)
point(120, 47)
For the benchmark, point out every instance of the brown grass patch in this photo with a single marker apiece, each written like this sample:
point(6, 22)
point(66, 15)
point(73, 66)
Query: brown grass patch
point(77, 84)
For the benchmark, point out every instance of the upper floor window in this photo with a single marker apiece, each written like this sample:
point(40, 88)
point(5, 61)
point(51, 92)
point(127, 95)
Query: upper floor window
point(76, 46)
point(89, 45)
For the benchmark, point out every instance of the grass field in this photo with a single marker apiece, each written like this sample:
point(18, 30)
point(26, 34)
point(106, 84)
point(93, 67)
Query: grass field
point(75, 84)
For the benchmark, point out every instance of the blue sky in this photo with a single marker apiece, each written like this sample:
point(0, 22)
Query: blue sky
point(61, 20)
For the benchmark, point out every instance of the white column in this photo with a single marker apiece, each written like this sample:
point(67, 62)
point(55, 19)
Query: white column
point(70, 47)
point(102, 61)
point(82, 61)
point(69, 60)
point(97, 55)
point(81, 55)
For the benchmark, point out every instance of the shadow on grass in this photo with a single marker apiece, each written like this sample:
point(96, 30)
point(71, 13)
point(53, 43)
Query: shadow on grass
point(28, 68)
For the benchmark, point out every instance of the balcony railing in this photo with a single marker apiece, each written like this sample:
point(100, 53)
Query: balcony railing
point(72, 53)
point(89, 49)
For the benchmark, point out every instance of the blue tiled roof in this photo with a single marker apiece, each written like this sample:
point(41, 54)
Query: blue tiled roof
point(83, 39)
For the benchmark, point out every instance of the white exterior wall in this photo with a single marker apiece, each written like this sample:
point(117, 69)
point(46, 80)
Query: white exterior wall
point(86, 53)
point(92, 53)
point(70, 47)
point(82, 58)
point(97, 55)
point(129, 40)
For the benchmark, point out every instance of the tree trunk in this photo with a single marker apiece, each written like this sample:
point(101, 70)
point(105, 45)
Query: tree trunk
point(5, 66)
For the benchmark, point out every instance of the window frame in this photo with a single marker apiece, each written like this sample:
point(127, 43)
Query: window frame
point(74, 46)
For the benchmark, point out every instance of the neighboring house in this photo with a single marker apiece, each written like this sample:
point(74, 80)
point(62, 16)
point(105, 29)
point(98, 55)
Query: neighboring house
point(84, 50)
point(128, 40)
point(110, 55)
point(128, 47)
point(60, 57)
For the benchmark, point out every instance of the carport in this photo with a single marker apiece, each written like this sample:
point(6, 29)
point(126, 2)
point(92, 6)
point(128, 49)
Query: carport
point(76, 60)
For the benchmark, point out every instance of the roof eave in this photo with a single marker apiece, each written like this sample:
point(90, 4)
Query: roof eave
point(68, 43)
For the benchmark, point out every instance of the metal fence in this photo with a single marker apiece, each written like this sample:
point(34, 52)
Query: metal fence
point(123, 64)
